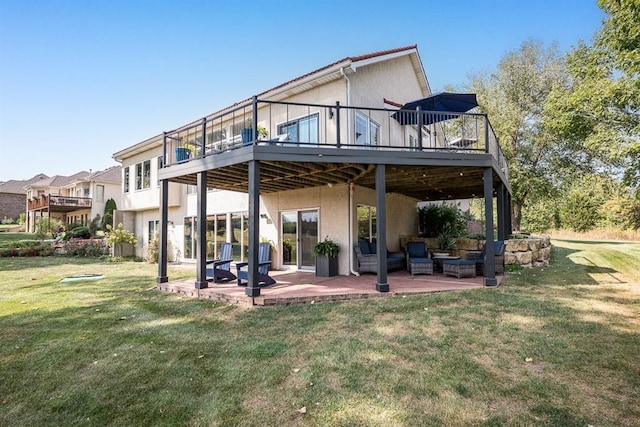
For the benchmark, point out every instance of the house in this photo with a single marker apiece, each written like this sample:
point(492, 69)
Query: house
point(72, 199)
point(331, 153)
point(13, 196)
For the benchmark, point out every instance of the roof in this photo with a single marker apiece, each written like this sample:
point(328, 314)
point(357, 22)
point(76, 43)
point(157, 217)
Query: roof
point(335, 69)
point(112, 174)
point(15, 186)
point(58, 181)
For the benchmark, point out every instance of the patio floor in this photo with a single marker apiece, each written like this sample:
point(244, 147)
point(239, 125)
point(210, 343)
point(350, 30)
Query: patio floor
point(303, 288)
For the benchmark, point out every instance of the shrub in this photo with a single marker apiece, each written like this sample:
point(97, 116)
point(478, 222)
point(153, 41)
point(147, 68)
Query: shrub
point(119, 235)
point(38, 249)
point(80, 232)
point(85, 247)
point(434, 219)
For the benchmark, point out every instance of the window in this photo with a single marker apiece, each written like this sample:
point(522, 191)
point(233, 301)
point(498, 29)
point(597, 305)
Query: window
point(125, 181)
point(160, 166)
point(99, 193)
point(146, 174)
point(153, 229)
point(143, 175)
point(301, 130)
point(366, 222)
point(218, 233)
point(367, 131)
point(139, 176)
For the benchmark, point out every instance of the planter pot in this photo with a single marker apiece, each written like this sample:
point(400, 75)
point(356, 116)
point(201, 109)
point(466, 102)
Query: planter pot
point(182, 154)
point(247, 135)
point(326, 267)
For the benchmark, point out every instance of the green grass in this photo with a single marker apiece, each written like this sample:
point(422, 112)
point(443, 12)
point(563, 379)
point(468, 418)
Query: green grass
point(551, 346)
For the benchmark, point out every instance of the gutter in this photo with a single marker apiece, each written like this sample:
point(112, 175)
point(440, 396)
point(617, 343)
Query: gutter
point(351, 186)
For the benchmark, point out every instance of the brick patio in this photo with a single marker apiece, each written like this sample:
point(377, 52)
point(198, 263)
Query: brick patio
point(303, 288)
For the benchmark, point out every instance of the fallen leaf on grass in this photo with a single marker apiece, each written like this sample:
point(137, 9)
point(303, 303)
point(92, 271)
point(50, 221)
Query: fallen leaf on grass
point(528, 359)
point(296, 370)
point(303, 410)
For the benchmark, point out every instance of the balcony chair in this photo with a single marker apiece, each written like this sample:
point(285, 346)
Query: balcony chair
point(418, 261)
point(498, 250)
point(264, 253)
point(220, 269)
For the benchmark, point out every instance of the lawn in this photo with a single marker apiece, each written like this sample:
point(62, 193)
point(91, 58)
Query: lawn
point(550, 346)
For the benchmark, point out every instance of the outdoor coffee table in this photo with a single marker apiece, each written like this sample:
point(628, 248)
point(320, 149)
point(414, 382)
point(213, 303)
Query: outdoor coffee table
point(438, 259)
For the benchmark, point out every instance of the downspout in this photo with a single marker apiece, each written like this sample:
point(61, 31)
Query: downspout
point(351, 186)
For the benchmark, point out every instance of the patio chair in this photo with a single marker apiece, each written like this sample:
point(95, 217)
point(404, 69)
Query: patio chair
point(498, 250)
point(264, 253)
point(418, 261)
point(367, 258)
point(220, 269)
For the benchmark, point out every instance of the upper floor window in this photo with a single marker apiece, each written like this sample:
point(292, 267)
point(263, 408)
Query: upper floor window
point(125, 181)
point(160, 166)
point(367, 131)
point(99, 193)
point(143, 175)
point(304, 129)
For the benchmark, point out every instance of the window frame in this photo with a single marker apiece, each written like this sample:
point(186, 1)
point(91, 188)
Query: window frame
point(284, 128)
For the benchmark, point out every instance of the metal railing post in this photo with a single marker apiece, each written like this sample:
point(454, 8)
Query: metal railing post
point(420, 121)
point(164, 148)
point(204, 135)
point(338, 124)
point(486, 133)
point(255, 118)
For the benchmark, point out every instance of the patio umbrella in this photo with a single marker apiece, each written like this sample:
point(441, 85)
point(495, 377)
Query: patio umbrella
point(447, 102)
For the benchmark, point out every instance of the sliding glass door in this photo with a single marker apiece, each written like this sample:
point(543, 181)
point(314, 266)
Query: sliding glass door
point(299, 235)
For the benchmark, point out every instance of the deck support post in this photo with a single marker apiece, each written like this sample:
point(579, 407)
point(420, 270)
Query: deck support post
point(253, 288)
point(162, 235)
point(509, 219)
point(489, 257)
point(381, 218)
point(201, 232)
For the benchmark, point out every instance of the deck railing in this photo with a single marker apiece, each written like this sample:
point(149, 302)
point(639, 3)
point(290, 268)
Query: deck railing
point(342, 127)
point(59, 201)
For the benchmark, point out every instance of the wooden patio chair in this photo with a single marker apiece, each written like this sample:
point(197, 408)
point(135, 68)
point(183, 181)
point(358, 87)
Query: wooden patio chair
point(264, 253)
point(220, 270)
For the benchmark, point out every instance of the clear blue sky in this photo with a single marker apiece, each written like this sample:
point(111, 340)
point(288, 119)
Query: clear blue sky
point(82, 79)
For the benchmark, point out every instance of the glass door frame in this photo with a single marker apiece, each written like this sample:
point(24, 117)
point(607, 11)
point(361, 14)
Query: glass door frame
point(299, 256)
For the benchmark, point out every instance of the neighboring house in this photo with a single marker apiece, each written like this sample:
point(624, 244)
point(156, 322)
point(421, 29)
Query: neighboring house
point(73, 199)
point(13, 196)
point(339, 159)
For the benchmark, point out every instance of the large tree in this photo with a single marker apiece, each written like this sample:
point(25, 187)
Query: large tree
point(599, 108)
point(515, 96)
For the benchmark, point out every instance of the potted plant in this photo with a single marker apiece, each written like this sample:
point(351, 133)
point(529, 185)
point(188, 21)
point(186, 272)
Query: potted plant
point(326, 258)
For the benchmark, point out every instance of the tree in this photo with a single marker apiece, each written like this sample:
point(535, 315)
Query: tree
point(515, 96)
point(600, 107)
point(109, 207)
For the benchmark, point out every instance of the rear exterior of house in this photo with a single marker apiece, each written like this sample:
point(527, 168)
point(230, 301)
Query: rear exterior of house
point(329, 157)
point(77, 198)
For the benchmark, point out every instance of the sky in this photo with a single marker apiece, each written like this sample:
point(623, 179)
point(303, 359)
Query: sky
point(83, 79)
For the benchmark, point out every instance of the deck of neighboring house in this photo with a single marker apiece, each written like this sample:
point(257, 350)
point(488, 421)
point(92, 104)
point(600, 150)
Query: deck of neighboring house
point(305, 288)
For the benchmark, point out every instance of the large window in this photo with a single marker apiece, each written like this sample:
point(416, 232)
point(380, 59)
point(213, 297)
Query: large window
point(99, 193)
point(143, 175)
point(218, 232)
point(367, 131)
point(125, 182)
point(366, 222)
point(301, 130)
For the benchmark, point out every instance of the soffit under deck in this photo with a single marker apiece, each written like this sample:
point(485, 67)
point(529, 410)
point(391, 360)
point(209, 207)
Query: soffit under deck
point(419, 182)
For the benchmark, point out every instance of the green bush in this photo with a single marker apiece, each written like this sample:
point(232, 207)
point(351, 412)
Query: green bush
point(85, 248)
point(435, 220)
point(80, 232)
point(39, 249)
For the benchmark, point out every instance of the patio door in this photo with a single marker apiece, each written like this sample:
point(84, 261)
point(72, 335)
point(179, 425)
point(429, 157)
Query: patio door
point(299, 235)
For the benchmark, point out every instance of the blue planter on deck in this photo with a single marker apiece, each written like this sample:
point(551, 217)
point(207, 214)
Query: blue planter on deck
point(182, 154)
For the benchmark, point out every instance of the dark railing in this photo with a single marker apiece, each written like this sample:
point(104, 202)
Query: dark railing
point(344, 127)
point(59, 201)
